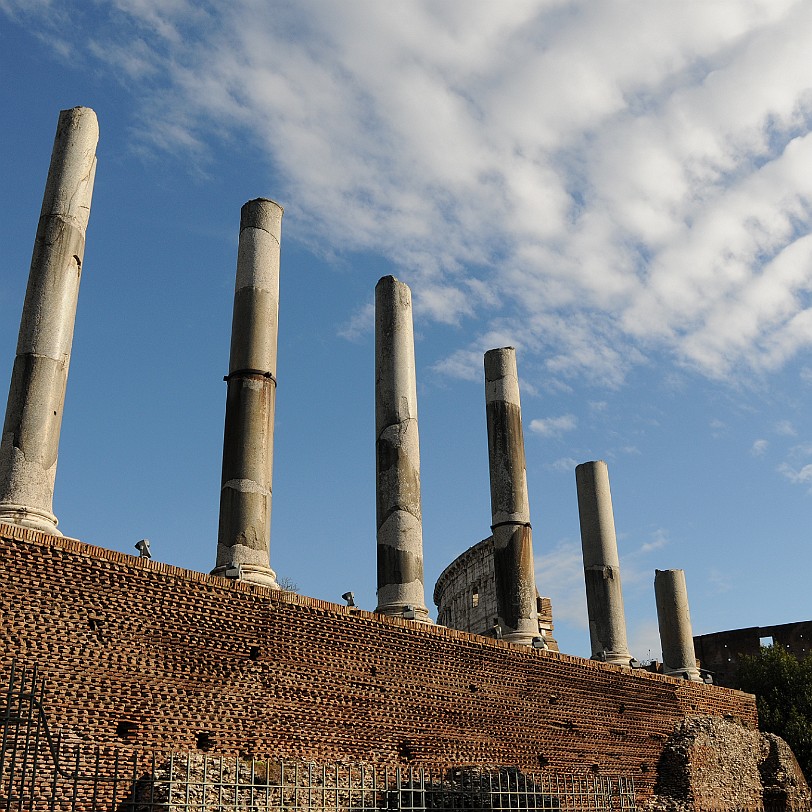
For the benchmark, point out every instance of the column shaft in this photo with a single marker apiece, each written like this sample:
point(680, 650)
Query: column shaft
point(510, 509)
point(30, 442)
point(244, 536)
point(397, 455)
point(604, 595)
point(674, 619)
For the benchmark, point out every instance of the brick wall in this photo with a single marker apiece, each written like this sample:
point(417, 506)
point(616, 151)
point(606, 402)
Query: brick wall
point(177, 653)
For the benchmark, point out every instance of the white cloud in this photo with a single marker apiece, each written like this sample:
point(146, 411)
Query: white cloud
point(553, 426)
point(785, 428)
point(620, 180)
point(659, 539)
point(560, 576)
point(564, 464)
point(797, 476)
point(759, 448)
point(359, 324)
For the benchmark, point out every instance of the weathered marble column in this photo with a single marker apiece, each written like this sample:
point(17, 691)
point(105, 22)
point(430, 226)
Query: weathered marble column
point(30, 443)
point(676, 636)
point(604, 596)
point(397, 456)
point(510, 509)
point(244, 538)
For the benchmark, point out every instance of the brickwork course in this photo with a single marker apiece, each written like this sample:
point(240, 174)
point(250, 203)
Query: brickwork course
point(176, 654)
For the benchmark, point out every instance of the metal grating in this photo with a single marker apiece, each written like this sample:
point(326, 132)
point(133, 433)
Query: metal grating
point(40, 771)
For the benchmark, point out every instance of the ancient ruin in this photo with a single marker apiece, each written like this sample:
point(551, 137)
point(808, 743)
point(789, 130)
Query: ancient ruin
point(36, 399)
point(674, 620)
point(465, 596)
point(604, 595)
point(517, 615)
point(153, 666)
point(244, 538)
point(397, 456)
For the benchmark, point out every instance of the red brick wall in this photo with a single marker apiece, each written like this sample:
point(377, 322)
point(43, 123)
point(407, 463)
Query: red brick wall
point(126, 639)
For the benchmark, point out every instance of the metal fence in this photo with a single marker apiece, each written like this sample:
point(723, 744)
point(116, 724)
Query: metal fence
point(40, 771)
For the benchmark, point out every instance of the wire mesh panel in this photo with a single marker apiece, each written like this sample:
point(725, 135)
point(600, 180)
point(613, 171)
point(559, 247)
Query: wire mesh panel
point(40, 772)
point(198, 783)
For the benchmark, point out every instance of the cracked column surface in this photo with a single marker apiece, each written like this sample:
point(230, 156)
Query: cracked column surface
point(397, 455)
point(244, 536)
point(674, 620)
point(510, 509)
point(30, 443)
point(604, 595)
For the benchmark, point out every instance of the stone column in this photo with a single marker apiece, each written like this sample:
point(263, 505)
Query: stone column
point(30, 442)
point(397, 456)
point(510, 509)
point(244, 538)
point(676, 637)
point(604, 596)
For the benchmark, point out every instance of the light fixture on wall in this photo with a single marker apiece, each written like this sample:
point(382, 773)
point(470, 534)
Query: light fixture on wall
point(540, 642)
point(143, 548)
point(349, 597)
point(234, 571)
point(408, 612)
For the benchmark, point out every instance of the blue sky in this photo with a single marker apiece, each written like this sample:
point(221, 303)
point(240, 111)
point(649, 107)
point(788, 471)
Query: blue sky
point(620, 190)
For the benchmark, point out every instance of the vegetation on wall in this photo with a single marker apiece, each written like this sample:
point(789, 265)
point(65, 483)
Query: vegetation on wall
point(783, 688)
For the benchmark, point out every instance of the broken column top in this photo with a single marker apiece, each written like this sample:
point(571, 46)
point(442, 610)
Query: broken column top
point(501, 377)
point(262, 213)
point(596, 514)
point(77, 134)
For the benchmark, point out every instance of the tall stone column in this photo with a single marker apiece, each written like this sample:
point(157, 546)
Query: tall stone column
point(244, 538)
point(604, 596)
point(676, 636)
point(30, 443)
point(510, 509)
point(397, 456)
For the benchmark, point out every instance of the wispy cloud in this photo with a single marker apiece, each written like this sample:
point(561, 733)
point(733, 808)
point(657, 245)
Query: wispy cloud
point(564, 464)
point(553, 426)
point(659, 539)
point(720, 581)
point(759, 448)
point(797, 476)
point(645, 205)
point(560, 576)
point(784, 428)
point(360, 323)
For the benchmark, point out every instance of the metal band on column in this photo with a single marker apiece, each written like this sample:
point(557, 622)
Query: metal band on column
point(397, 456)
point(244, 538)
point(510, 508)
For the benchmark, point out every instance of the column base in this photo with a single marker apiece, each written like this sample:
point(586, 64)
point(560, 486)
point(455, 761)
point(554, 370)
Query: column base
point(520, 638)
point(32, 518)
point(250, 573)
point(419, 614)
point(613, 657)
point(691, 674)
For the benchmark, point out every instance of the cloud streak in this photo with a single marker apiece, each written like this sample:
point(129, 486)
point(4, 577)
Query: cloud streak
point(606, 182)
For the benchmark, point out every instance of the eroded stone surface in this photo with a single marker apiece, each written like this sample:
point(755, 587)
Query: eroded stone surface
point(604, 594)
point(714, 763)
point(30, 441)
point(510, 507)
point(397, 456)
point(674, 620)
point(244, 535)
